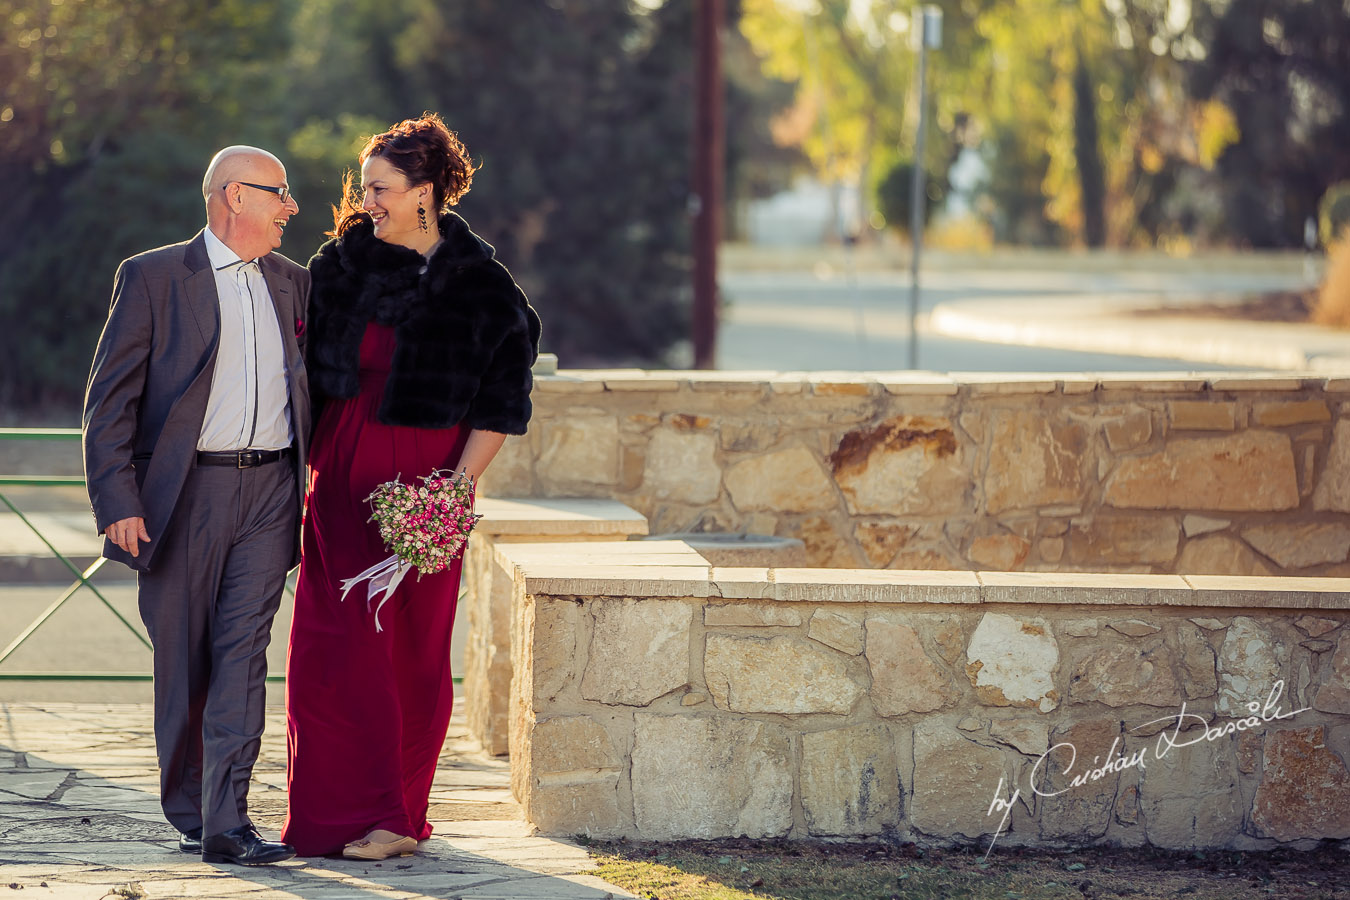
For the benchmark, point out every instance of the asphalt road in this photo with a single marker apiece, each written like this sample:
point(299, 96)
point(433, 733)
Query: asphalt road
point(833, 319)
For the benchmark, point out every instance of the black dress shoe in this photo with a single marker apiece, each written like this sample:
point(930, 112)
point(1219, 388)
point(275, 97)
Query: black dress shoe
point(243, 846)
point(190, 841)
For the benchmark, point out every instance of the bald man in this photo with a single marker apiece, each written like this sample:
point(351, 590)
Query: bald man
point(195, 425)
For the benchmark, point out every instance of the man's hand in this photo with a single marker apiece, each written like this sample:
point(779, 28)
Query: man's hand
point(124, 533)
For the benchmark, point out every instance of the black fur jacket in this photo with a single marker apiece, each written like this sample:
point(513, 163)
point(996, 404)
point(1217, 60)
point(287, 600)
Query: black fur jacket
point(465, 334)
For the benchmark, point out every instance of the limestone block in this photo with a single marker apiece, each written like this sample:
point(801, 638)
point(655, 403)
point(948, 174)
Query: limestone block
point(850, 784)
point(579, 452)
point(1124, 674)
point(1080, 628)
point(1033, 462)
point(999, 552)
point(826, 546)
point(1189, 795)
point(687, 421)
point(950, 640)
point(1124, 539)
point(512, 471)
point(908, 465)
point(930, 560)
point(954, 780)
point(790, 480)
point(1029, 736)
point(1012, 662)
point(1129, 431)
point(777, 675)
point(553, 649)
point(1313, 626)
point(1333, 489)
point(1134, 627)
point(1251, 660)
point(1334, 695)
point(1051, 549)
point(1220, 555)
point(570, 744)
point(1197, 661)
point(709, 777)
point(904, 678)
point(750, 614)
point(1297, 412)
point(840, 630)
point(748, 437)
point(1202, 415)
point(1194, 525)
point(1250, 470)
point(1127, 805)
point(1080, 812)
point(590, 808)
point(639, 650)
point(1294, 546)
point(1304, 790)
point(881, 540)
point(682, 466)
point(1249, 751)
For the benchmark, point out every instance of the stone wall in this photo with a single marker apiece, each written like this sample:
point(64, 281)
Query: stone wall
point(924, 706)
point(1238, 474)
point(487, 592)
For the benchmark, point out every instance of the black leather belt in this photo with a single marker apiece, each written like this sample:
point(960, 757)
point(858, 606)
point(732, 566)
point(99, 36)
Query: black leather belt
point(241, 459)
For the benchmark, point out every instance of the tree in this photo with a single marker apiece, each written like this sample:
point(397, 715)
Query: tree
point(852, 84)
point(1280, 67)
point(580, 115)
point(111, 109)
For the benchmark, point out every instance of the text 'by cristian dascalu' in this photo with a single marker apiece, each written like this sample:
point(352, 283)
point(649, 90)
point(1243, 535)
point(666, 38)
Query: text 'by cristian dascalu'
point(1114, 762)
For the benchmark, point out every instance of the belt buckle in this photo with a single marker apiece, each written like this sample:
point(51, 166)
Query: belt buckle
point(247, 459)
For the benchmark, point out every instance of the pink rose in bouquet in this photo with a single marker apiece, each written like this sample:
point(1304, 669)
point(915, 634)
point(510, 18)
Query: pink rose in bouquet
point(425, 527)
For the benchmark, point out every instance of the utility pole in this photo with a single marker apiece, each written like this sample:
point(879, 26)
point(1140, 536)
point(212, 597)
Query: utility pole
point(706, 202)
point(927, 31)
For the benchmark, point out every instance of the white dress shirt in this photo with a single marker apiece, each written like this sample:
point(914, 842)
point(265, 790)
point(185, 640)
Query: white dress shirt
point(249, 405)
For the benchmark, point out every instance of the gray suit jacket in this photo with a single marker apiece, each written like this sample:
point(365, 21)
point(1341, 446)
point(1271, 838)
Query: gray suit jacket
point(151, 378)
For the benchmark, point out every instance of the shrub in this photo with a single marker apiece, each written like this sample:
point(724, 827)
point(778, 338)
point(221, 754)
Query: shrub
point(1333, 213)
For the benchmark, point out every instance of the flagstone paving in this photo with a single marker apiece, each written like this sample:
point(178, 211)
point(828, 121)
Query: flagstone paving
point(80, 819)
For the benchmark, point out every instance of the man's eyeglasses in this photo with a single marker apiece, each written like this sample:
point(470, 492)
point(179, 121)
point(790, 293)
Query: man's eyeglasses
point(283, 192)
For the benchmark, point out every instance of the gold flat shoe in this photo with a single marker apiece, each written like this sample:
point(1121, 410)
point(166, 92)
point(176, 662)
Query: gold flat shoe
point(377, 850)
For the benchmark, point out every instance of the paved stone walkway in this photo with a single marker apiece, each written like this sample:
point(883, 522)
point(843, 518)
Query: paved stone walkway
point(80, 819)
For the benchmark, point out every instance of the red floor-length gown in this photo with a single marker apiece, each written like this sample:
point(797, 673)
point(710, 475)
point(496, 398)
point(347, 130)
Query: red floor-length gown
point(366, 711)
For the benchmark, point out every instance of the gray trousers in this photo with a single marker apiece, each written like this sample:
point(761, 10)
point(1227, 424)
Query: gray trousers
point(208, 605)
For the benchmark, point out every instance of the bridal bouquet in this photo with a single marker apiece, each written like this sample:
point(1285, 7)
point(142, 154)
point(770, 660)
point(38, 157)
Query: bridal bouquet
point(424, 526)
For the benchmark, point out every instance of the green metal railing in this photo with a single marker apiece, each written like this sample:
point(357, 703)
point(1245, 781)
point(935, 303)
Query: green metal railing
point(82, 577)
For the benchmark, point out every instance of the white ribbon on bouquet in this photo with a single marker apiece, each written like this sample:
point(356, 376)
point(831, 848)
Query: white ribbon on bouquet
point(384, 578)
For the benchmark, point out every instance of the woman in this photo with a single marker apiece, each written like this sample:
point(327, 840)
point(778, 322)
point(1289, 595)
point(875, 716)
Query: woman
point(419, 358)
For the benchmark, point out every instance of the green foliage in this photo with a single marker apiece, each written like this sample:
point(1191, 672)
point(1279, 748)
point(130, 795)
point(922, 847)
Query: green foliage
point(111, 109)
point(579, 112)
point(1333, 213)
point(1280, 67)
point(580, 115)
point(895, 192)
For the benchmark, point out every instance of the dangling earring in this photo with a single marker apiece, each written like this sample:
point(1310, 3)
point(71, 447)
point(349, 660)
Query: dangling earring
point(422, 217)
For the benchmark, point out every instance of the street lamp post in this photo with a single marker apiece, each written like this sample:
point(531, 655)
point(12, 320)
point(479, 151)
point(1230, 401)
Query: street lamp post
point(927, 34)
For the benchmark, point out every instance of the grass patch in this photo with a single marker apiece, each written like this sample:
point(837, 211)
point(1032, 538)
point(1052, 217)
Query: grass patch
point(759, 870)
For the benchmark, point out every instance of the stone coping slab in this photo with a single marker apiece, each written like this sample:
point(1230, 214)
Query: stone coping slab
point(905, 382)
point(504, 516)
point(654, 569)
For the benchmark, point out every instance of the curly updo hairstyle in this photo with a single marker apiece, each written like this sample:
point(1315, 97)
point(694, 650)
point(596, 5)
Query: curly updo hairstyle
point(424, 150)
